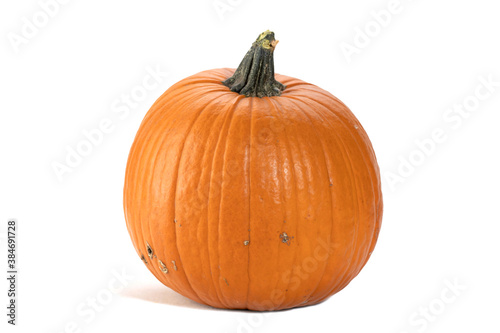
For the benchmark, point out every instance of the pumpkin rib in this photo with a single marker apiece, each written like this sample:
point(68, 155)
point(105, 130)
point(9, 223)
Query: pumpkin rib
point(157, 139)
point(352, 262)
point(227, 156)
point(348, 278)
point(287, 299)
point(141, 238)
point(191, 229)
point(140, 232)
point(203, 251)
point(164, 114)
point(345, 276)
point(328, 172)
point(186, 274)
point(280, 250)
point(352, 179)
point(203, 218)
point(294, 258)
point(267, 100)
point(314, 290)
point(363, 259)
point(277, 116)
point(221, 141)
point(164, 137)
point(250, 109)
point(279, 110)
point(206, 218)
point(265, 217)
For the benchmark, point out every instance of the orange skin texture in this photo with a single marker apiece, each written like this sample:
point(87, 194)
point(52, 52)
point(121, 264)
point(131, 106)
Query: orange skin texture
point(262, 203)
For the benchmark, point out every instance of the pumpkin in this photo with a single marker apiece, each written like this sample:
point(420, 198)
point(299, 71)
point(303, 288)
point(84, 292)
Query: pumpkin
point(250, 190)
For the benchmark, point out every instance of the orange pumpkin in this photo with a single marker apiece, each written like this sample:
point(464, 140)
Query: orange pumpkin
point(250, 190)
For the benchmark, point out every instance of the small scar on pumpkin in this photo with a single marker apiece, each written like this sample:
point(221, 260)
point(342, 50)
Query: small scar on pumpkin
point(246, 242)
point(150, 250)
point(143, 258)
point(225, 281)
point(175, 266)
point(285, 238)
point(163, 268)
point(331, 184)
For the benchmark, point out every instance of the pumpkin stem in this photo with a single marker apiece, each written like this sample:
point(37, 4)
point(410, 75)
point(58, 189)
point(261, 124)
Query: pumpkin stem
point(254, 77)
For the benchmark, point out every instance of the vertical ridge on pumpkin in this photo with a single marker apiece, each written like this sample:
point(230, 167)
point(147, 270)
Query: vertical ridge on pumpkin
point(234, 210)
point(354, 185)
point(327, 168)
point(206, 175)
point(360, 259)
point(293, 224)
point(340, 147)
point(369, 236)
point(308, 227)
point(189, 248)
point(287, 142)
point(217, 170)
point(250, 108)
point(162, 135)
point(280, 141)
point(171, 214)
point(192, 201)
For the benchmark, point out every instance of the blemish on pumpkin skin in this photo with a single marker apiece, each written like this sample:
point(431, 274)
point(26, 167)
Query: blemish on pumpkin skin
point(143, 258)
point(175, 266)
point(285, 238)
point(225, 281)
point(163, 268)
point(246, 242)
point(150, 250)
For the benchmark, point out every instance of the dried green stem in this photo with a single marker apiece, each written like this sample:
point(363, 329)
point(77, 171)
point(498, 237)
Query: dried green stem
point(254, 77)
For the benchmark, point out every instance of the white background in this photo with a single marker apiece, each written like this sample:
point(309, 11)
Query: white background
point(441, 221)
